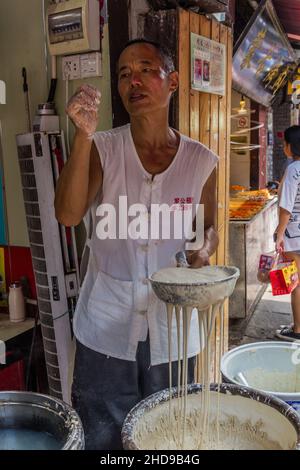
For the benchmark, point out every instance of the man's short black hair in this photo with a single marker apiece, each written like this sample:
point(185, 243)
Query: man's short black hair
point(165, 54)
point(292, 136)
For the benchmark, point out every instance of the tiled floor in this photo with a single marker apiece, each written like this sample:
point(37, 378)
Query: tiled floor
point(270, 313)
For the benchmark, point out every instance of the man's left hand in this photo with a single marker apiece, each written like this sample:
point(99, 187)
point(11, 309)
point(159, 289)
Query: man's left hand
point(198, 258)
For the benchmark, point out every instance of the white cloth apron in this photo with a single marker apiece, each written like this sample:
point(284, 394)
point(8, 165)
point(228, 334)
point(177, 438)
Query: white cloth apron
point(116, 306)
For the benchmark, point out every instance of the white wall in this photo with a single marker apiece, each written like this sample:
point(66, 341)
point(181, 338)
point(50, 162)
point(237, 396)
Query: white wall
point(22, 44)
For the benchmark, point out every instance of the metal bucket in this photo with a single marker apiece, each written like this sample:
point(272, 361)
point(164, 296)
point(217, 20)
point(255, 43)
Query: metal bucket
point(269, 359)
point(252, 409)
point(31, 421)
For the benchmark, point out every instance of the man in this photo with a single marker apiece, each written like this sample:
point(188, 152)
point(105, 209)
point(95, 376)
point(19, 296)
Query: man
point(120, 326)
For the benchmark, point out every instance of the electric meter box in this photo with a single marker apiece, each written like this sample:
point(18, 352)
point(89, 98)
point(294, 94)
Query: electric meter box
point(73, 26)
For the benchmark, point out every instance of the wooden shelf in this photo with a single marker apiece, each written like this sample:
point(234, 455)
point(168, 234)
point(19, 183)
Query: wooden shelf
point(9, 330)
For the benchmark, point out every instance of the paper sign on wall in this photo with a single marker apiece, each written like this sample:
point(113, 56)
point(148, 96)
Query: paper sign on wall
point(208, 65)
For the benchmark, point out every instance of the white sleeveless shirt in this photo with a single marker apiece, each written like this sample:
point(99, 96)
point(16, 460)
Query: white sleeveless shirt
point(289, 199)
point(116, 307)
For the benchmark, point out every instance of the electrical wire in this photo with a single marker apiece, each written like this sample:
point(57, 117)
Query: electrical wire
point(36, 319)
point(6, 225)
point(45, 42)
point(63, 314)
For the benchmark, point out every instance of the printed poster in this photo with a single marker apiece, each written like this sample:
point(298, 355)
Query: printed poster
point(208, 65)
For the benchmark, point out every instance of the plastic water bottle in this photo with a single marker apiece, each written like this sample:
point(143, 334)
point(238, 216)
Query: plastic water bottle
point(16, 303)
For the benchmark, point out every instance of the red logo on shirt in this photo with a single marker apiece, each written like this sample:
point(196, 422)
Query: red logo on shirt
point(183, 200)
point(182, 203)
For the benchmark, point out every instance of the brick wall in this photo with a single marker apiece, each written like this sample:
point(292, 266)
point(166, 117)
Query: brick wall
point(270, 149)
point(263, 140)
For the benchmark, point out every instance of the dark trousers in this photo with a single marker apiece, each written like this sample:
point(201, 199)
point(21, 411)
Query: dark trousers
point(105, 389)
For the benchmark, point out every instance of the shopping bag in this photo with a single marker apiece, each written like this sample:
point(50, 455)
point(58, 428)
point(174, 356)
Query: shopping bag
point(283, 276)
point(266, 262)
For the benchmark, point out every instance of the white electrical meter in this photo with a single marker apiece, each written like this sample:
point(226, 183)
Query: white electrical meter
point(73, 26)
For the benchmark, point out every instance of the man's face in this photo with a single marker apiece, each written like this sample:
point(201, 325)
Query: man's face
point(143, 84)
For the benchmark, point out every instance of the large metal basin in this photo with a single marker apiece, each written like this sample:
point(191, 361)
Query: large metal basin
point(253, 410)
point(31, 421)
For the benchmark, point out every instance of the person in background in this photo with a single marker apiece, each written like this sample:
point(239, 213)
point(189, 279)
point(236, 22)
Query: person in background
point(120, 327)
point(287, 234)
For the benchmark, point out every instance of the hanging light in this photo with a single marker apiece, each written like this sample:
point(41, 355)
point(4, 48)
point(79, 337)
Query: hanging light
point(242, 109)
point(253, 125)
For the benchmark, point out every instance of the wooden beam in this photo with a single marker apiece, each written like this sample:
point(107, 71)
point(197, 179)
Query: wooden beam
point(222, 152)
point(205, 6)
point(194, 94)
point(162, 27)
point(232, 10)
point(222, 197)
point(214, 129)
point(118, 37)
point(184, 72)
point(205, 98)
point(228, 91)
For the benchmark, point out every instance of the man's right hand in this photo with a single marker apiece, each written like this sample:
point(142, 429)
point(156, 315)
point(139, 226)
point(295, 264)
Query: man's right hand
point(83, 108)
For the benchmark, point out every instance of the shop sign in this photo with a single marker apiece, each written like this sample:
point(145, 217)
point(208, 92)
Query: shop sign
point(208, 61)
point(264, 60)
point(296, 91)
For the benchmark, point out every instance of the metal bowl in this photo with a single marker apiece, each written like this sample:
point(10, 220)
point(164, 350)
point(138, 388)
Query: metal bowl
point(269, 357)
point(200, 295)
point(26, 412)
point(278, 420)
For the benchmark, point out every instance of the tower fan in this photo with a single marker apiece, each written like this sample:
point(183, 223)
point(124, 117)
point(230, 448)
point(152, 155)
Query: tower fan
point(54, 256)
